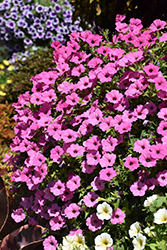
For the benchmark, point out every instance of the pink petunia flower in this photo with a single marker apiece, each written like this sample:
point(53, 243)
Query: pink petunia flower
point(93, 143)
point(138, 188)
point(162, 178)
point(114, 96)
point(72, 99)
point(56, 154)
point(58, 188)
point(117, 216)
point(107, 160)
point(75, 150)
point(85, 127)
point(141, 145)
point(69, 135)
point(93, 158)
point(72, 211)
point(94, 40)
point(50, 243)
point(109, 144)
point(160, 83)
point(131, 163)
point(106, 123)
point(57, 223)
point(73, 183)
point(124, 127)
point(151, 70)
point(121, 27)
point(90, 200)
point(141, 112)
point(95, 117)
point(146, 159)
point(93, 223)
point(162, 114)
point(107, 174)
point(86, 168)
point(18, 215)
point(157, 25)
point(158, 151)
point(97, 184)
point(54, 210)
point(67, 195)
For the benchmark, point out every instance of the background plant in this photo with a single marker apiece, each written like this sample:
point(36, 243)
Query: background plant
point(27, 23)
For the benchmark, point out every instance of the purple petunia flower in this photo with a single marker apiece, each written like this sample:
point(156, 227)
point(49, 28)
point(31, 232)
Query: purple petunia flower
point(8, 37)
point(28, 41)
point(7, 15)
point(57, 8)
point(39, 8)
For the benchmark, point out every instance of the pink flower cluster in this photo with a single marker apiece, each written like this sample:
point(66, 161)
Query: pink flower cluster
point(82, 125)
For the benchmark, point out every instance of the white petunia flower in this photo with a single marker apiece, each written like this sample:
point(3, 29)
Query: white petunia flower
point(149, 232)
point(77, 241)
point(67, 242)
point(134, 229)
point(150, 200)
point(160, 216)
point(103, 241)
point(139, 242)
point(104, 211)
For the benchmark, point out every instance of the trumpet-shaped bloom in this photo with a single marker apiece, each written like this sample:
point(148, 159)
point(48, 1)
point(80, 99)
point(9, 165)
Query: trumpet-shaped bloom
point(50, 243)
point(118, 216)
point(139, 242)
point(160, 216)
point(138, 188)
point(104, 211)
point(150, 200)
point(76, 241)
point(103, 241)
point(134, 229)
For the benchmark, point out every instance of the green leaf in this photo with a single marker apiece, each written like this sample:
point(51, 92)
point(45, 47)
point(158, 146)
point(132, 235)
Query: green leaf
point(153, 246)
point(159, 201)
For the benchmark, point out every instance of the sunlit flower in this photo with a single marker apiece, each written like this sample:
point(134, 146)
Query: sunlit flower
point(139, 242)
point(5, 62)
point(160, 216)
point(103, 241)
point(76, 241)
point(149, 232)
point(104, 211)
point(134, 229)
point(150, 200)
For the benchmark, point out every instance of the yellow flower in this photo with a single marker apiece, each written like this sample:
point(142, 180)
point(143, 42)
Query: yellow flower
point(2, 66)
point(2, 86)
point(10, 68)
point(8, 80)
point(2, 72)
point(6, 62)
point(2, 93)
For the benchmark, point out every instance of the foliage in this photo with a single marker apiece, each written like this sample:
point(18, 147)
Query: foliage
point(91, 139)
point(6, 126)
